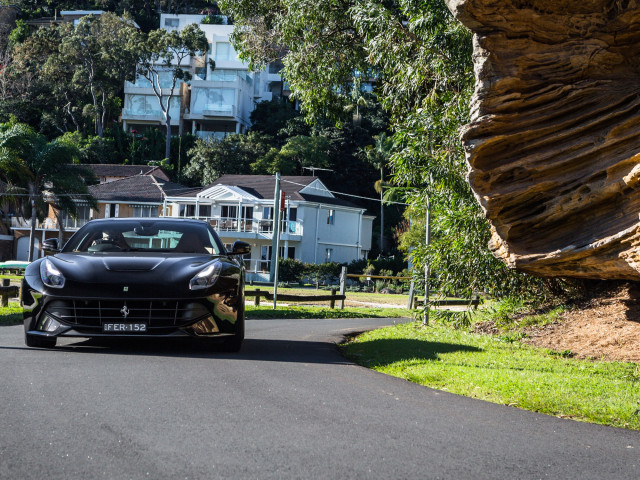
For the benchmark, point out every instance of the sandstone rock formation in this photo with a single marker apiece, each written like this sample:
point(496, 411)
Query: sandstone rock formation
point(554, 140)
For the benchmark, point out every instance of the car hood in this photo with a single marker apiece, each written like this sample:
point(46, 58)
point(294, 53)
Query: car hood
point(132, 274)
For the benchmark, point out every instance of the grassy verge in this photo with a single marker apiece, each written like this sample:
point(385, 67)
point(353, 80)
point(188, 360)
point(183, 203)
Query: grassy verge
point(264, 311)
point(490, 368)
point(11, 315)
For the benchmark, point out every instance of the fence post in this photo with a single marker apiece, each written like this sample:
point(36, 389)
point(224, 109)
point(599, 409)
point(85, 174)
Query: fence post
point(411, 295)
point(343, 285)
point(332, 304)
point(5, 296)
point(256, 301)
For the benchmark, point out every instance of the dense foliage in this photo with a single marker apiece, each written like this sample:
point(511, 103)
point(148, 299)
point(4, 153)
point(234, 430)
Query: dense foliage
point(420, 59)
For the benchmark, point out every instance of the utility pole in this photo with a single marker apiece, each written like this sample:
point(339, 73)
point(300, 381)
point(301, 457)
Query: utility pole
point(275, 242)
point(427, 263)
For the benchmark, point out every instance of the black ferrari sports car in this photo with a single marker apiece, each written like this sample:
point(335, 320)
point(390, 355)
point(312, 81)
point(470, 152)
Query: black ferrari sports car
point(151, 277)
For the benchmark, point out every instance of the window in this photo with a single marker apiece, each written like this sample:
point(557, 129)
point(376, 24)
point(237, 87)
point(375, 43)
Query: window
point(201, 73)
point(224, 75)
point(265, 258)
point(247, 213)
point(83, 215)
point(331, 217)
point(224, 52)
point(171, 22)
point(221, 98)
point(229, 211)
point(187, 210)
point(204, 211)
point(144, 210)
point(267, 213)
point(328, 255)
point(111, 210)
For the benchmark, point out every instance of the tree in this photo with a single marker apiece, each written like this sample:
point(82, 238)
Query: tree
point(161, 52)
point(96, 50)
point(210, 158)
point(420, 58)
point(300, 151)
point(36, 166)
point(378, 155)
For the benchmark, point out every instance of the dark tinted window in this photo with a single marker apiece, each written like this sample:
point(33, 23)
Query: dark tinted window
point(145, 235)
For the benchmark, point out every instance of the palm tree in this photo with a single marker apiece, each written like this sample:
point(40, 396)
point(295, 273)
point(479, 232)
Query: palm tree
point(36, 166)
point(378, 155)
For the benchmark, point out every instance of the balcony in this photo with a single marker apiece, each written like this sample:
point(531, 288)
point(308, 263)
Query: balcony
point(218, 110)
point(20, 223)
point(252, 228)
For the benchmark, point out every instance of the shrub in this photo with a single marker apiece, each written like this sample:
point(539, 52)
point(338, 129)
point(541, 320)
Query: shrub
point(213, 20)
point(291, 270)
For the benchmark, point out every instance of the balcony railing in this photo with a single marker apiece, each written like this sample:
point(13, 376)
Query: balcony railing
point(48, 223)
point(251, 225)
point(218, 110)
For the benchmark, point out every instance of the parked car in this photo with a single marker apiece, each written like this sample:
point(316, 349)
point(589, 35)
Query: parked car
point(137, 277)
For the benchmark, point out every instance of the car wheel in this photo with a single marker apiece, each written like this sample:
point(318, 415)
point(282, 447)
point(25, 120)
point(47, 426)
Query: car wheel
point(39, 342)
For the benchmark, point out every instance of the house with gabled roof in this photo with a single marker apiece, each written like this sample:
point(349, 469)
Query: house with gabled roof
point(316, 226)
point(124, 191)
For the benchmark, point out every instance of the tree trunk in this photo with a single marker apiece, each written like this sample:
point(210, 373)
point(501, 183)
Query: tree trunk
point(32, 233)
point(381, 212)
point(167, 150)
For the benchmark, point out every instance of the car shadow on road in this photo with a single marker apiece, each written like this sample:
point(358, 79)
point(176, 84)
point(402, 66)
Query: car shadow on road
point(299, 351)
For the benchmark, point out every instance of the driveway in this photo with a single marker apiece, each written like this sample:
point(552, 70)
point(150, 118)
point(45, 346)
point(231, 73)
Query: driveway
point(287, 406)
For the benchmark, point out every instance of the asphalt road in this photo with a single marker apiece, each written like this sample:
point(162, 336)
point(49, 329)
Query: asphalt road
point(287, 406)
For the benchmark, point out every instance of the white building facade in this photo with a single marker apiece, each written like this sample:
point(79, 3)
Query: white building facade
point(216, 102)
point(316, 227)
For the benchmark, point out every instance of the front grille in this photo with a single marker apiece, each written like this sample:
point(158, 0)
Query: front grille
point(156, 313)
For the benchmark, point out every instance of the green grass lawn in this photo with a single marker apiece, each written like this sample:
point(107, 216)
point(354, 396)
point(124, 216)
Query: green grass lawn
point(265, 310)
point(11, 315)
point(506, 372)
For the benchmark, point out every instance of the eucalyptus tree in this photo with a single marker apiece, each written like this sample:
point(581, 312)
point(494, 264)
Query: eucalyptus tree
point(163, 52)
point(420, 59)
point(32, 164)
point(95, 50)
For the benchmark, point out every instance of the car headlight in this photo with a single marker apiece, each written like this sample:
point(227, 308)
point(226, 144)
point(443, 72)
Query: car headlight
point(206, 277)
point(50, 275)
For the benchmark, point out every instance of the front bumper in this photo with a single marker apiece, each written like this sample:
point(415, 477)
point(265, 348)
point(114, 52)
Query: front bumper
point(212, 316)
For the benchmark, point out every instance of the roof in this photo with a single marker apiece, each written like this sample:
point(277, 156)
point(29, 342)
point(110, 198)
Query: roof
point(114, 170)
point(263, 187)
point(138, 188)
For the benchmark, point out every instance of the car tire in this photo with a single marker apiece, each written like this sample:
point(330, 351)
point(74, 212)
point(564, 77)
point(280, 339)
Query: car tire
point(39, 342)
point(234, 343)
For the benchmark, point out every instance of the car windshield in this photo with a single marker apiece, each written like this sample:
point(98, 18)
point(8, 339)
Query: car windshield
point(144, 236)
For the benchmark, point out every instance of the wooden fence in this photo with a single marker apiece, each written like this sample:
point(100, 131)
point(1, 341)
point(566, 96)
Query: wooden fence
point(7, 291)
point(257, 294)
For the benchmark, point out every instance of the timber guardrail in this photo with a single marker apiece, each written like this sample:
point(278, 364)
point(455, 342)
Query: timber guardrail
point(257, 294)
point(7, 291)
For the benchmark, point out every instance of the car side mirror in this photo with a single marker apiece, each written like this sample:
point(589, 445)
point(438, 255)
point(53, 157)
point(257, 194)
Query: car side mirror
point(240, 248)
point(51, 245)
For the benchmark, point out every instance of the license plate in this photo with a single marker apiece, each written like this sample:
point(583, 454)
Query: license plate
point(124, 327)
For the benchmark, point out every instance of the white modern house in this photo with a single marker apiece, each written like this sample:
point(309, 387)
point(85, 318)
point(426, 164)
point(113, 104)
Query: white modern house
point(216, 101)
point(316, 226)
